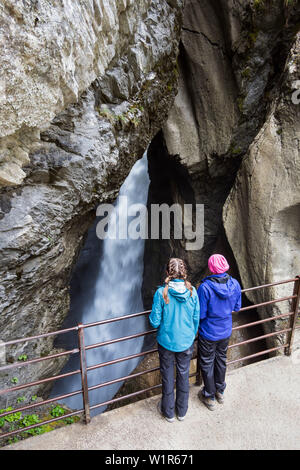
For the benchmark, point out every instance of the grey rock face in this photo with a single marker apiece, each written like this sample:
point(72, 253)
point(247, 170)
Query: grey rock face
point(262, 212)
point(51, 53)
point(82, 157)
point(230, 68)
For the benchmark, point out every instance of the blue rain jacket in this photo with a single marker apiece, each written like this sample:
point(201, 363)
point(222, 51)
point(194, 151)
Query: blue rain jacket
point(177, 321)
point(219, 295)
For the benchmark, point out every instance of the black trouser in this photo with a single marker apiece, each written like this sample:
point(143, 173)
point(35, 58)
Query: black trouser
point(182, 360)
point(212, 358)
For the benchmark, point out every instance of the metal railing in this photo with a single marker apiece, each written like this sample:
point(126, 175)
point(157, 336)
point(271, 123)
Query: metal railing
point(84, 368)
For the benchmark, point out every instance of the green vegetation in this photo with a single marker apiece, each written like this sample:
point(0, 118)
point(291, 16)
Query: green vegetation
point(246, 72)
point(23, 357)
point(57, 411)
point(9, 418)
point(14, 380)
point(252, 35)
point(234, 150)
point(132, 115)
point(240, 103)
point(260, 5)
point(17, 422)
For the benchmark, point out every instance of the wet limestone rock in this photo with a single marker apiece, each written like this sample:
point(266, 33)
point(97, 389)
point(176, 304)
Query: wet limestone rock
point(231, 61)
point(51, 52)
point(96, 95)
point(262, 213)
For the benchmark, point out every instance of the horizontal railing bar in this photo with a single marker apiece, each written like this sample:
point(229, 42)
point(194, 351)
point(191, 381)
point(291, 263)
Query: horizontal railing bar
point(262, 321)
point(43, 335)
point(40, 403)
point(117, 340)
point(42, 423)
point(262, 304)
point(127, 377)
point(38, 382)
point(121, 379)
point(114, 400)
point(124, 317)
point(132, 315)
point(76, 350)
point(111, 320)
point(258, 354)
point(122, 359)
point(269, 285)
point(39, 359)
point(252, 340)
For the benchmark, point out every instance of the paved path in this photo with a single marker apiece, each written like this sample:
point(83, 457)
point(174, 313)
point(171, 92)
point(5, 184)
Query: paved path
point(262, 411)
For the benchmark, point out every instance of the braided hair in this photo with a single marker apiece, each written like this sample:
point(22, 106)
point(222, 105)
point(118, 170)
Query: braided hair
point(176, 269)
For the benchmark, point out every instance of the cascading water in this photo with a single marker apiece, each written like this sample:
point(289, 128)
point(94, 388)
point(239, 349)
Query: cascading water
point(117, 292)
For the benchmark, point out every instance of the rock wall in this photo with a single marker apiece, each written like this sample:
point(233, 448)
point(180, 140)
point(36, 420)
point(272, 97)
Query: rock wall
point(233, 115)
point(87, 89)
point(231, 61)
point(86, 86)
point(262, 212)
point(51, 52)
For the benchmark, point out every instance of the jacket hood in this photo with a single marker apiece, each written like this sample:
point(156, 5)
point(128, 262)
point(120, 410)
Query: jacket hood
point(178, 290)
point(223, 285)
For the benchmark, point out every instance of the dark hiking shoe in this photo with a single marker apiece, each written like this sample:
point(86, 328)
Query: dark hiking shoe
point(220, 397)
point(170, 420)
point(209, 402)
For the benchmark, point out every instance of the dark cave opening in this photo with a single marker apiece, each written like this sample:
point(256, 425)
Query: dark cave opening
point(170, 182)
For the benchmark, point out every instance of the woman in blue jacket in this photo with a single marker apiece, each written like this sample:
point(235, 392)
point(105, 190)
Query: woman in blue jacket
point(175, 312)
point(219, 294)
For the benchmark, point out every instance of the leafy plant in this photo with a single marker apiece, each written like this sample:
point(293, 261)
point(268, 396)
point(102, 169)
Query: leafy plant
point(13, 440)
point(23, 357)
point(30, 420)
point(34, 397)
point(69, 420)
point(20, 399)
point(11, 417)
point(14, 380)
point(57, 411)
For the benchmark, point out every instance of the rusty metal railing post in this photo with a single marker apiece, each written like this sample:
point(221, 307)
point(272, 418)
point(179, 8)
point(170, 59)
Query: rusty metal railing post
point(295, 309)
point(83, 370)
point(198, 380)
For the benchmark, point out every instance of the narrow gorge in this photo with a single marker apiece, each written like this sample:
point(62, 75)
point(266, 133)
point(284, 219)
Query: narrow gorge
point(164, 101)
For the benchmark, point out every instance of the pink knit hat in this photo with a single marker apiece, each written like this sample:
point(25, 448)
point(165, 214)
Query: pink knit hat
point(217, 264)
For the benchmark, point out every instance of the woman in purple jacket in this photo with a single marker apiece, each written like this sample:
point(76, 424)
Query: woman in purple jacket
point(219, 295)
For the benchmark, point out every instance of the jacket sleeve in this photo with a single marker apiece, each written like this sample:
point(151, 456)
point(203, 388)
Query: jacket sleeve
point(238, 302)
point(196, 314)
point(203, 300)
point(157, 309)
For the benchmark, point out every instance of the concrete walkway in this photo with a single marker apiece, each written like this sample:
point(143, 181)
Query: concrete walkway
point(262, 411)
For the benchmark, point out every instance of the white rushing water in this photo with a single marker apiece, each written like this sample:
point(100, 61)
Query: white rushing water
point(117, 292)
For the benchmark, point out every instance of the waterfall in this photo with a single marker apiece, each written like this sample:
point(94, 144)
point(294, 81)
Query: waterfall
point(116, 292)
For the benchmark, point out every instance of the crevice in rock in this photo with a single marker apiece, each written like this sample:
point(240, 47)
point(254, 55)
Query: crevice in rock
point(214, 44)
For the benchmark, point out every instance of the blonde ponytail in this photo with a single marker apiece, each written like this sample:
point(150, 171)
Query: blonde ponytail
point(176, 269)
point(165, 291)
